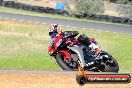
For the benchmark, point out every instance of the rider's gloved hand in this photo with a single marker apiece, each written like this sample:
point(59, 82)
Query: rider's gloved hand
point(95, 47)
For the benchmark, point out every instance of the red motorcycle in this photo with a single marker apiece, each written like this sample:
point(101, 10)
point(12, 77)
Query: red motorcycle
point(71, 52)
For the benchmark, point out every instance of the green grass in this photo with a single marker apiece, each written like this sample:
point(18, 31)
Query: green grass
point(20, 51)
point(24, 46)
point(18, 11)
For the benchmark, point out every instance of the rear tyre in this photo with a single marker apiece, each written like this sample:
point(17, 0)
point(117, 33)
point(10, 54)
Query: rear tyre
point(61, 63)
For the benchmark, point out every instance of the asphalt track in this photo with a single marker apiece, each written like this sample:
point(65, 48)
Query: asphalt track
point(71, 23)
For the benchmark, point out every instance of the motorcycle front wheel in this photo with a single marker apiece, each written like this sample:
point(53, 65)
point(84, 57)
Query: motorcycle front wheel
point(60, 61)
point(113, 68)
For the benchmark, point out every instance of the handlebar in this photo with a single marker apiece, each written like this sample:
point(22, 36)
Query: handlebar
point(68, 34)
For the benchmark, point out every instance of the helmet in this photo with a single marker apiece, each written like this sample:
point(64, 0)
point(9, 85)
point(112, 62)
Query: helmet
point(54, 28)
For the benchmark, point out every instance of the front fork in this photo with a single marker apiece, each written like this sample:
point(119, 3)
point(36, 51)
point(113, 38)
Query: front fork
point(81, 70)
point(81, 77)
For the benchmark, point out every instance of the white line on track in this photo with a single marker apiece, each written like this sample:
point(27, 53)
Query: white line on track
point(21, 20)
point(74, 27)
point(44, 23)
point(107, 31)
point(84, 28)
point(30, 21)
point(67, 26)
point(36, 22)
point(91, 29)
point(114, 32)
point(7, 18)
point(13, 19)
point(99, 30)
point(55, 72)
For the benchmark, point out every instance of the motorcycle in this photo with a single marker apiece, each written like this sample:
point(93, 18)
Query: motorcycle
point(73, 53)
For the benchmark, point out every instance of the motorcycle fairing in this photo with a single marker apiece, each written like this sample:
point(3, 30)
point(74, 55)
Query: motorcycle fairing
point(79, 50)
point(67, 55)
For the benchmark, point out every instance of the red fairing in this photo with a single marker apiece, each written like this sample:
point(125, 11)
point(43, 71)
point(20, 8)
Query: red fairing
point(67, 55)
point(56, 40)
point(91, 39)
point(54, 49)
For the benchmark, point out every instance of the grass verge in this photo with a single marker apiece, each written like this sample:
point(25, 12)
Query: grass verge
point(24, 46)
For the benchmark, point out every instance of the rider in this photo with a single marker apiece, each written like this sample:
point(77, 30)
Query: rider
point(90, 42)
point(54, 31)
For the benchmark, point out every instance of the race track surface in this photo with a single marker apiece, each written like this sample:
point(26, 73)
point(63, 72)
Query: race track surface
point(47, 79)
point(78, 24)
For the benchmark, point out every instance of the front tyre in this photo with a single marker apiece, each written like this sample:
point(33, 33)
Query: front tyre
point(60, 61)
point(111, 68)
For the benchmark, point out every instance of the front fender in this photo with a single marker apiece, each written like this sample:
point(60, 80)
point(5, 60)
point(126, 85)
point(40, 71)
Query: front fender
point(66, 53)
point(79, 50)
